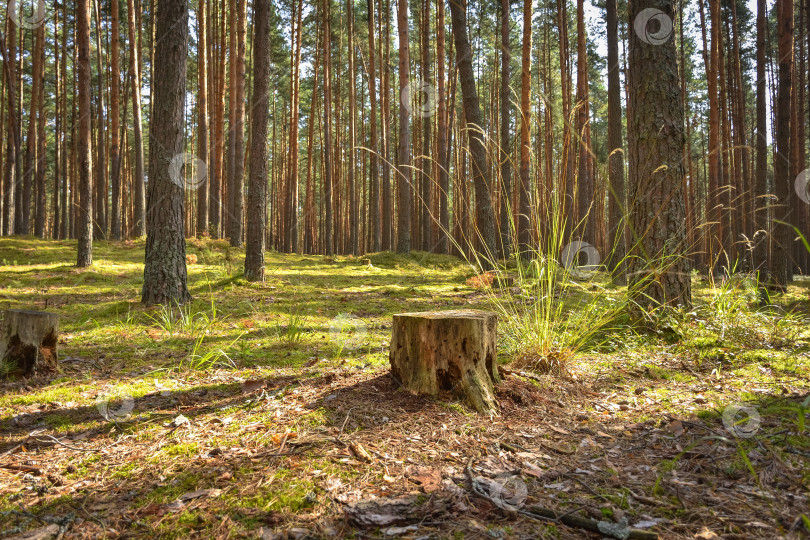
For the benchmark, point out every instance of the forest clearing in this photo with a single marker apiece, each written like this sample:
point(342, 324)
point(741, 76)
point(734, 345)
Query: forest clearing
point(284, 416)
point(405, 268)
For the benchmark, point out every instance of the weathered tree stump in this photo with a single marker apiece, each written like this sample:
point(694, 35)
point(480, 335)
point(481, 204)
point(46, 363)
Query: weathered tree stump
point(447, 350)
point(28, 343)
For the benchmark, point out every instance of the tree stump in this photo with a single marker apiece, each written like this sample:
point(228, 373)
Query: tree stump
point(28, 343)
point(447, 350)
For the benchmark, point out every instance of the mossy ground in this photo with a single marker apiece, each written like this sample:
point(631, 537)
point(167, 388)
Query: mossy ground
point(281, 381)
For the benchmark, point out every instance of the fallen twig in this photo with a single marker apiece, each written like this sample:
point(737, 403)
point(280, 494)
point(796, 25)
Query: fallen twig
point(60, 443)
point(22, 468)
point(613, 530)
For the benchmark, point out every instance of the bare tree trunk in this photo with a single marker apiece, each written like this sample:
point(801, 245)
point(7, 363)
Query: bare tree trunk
point(761, 227)
point(524, 231)
point(115, 148)
point(257, 188)
point(236, 164)
point(425, 165)
point(139, 194)
point(29, 173)
point(715, 229)
point(617, 200)
point(327, 134)
point(659, 271)
point(387, 200)
point(506, 139)
point(12, 140)
point(164, 274)
point(374, 173)
point(41, 197)
point(485, 217)
point(57, 162)
point(585, 180)
point(202, 113)
point(404, 143)
point(100, 216)
point(353, 214)
point(781, 265)
point(441, 135)
point(84, 214)
point(292, 181)
point(310, 237)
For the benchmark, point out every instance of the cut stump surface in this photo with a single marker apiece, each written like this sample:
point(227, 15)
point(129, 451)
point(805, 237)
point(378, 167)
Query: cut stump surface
point(447, 351)
point(28, 343)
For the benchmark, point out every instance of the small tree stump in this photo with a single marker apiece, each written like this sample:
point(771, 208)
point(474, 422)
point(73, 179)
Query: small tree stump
point(28, 343)
point(447, 350)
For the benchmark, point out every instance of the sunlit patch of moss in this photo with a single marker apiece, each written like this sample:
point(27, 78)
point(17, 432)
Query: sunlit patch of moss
point(318, 417)
point(175, 486)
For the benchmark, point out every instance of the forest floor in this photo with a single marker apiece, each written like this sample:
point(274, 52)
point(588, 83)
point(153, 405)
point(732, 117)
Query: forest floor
point(267, 410)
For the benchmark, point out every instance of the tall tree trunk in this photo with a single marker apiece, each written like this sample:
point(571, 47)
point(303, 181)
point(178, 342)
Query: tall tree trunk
point(441, 135)
point(796, 141)
point(99, 215)
point(566, 188)
point(404, 142)
point(292, 181)
point(202, 113)
point(257, 187)
point(115, 148)
point(374, 173)
point(485, 217)
point(715, 229)
point(659, 270)
point(329, 240)
point(782, 272)
point(385, 61)
point(506, 139)
point(427, 112)
point(66, 212)
point(762, 204)
point(354, 219)
point(139, 193)
point(524, 224)
point(57, 162)
point(164, 274)
point(84, 214)
point(10, 177)
point(237, 164)
point(310, 237)
point(41, 197)
point(585, 181)
point(616, 201)
point(29, 172)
